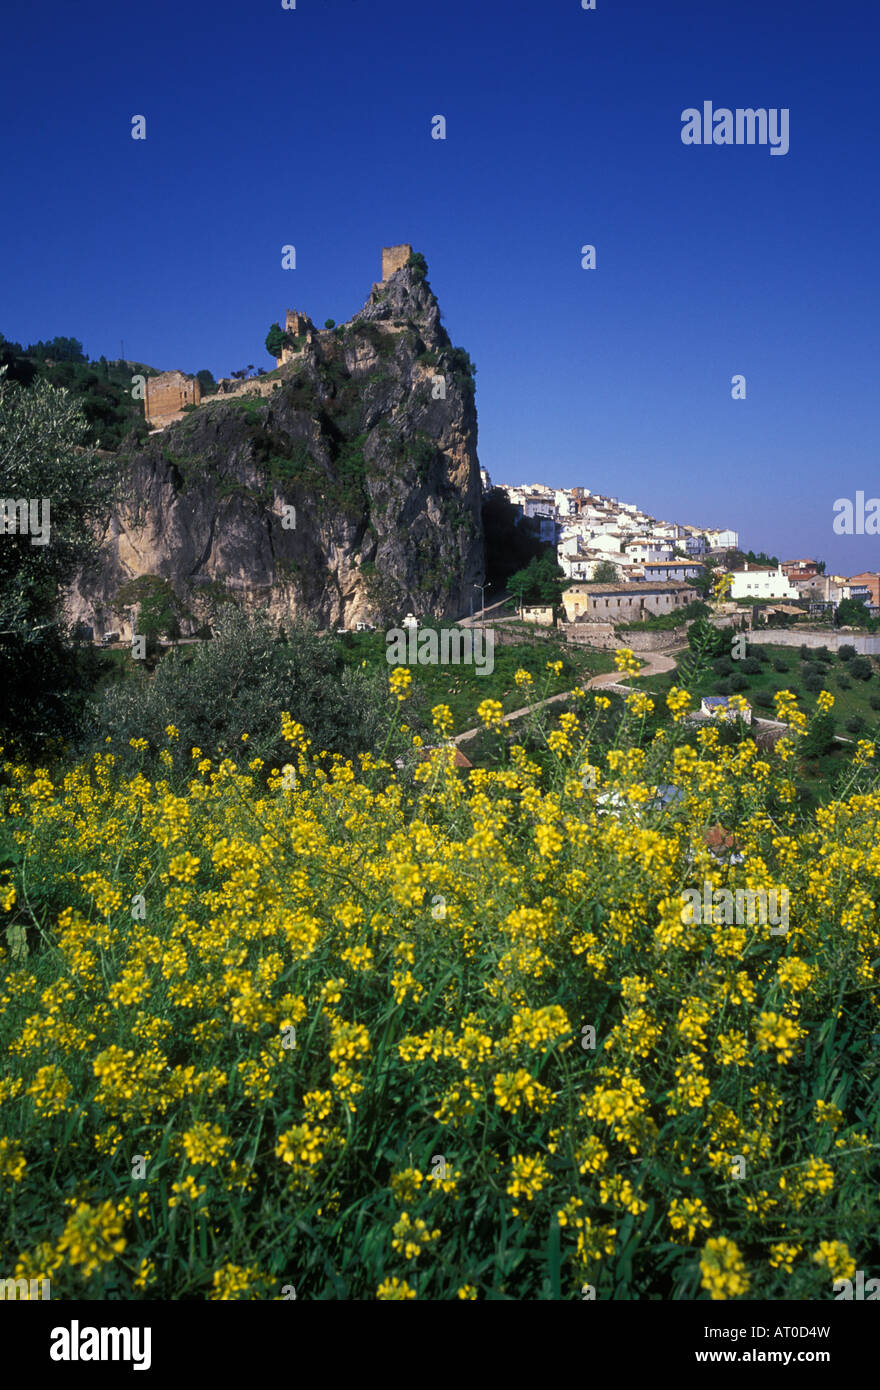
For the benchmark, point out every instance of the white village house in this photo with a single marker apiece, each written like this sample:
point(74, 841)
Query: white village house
point(755, 581)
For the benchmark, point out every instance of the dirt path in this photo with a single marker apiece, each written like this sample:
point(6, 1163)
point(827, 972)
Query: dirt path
point(655, 664)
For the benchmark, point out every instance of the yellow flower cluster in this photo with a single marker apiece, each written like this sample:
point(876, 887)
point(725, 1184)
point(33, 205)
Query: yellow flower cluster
point(491, 714)
point(626, 661)
point(92, 1236)
point(679, 702)
point(400, 682)
point(788, 713)
point(834, 1256)
point(722, 1269)
point(329, 975)
point(411, 1237)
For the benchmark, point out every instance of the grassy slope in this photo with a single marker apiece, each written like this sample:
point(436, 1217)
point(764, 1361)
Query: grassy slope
point(815, 772)
point(462, 688)
point(855, 701)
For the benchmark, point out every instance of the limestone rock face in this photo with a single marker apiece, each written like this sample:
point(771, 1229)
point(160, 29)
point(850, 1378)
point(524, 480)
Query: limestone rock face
point(350, 492)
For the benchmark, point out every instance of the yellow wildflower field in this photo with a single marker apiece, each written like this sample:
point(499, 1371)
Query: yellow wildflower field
point(357, 1034)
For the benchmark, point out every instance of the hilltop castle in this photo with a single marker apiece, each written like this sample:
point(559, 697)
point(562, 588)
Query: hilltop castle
point(167, 394)
point(300, 325)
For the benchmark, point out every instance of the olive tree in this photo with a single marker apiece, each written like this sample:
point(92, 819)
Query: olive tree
point(53, 492)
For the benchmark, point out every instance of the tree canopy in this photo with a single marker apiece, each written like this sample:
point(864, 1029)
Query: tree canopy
point(851, 612)
point(605, 573)
point(541, 582)
point(64, 487)
point(276, 339)
point(59, 349)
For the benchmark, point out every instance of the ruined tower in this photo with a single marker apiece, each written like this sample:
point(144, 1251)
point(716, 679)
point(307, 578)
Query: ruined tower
point(166, 395)
point(298, 326)
point(394, 258)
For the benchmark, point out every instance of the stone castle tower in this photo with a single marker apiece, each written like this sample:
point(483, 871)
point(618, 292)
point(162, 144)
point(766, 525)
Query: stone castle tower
point(394, 258)
point(301, 326)
point(166, 395)
point(298, 324)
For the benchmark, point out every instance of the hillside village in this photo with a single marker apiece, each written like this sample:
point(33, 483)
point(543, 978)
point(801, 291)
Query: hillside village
point(660, 566)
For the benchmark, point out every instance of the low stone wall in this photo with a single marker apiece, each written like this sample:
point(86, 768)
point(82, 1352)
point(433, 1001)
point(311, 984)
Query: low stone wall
point(591, 635)
point(602, 635)
point(654, 641)
point(252, 386)
point(507, 636)
point(867, 644)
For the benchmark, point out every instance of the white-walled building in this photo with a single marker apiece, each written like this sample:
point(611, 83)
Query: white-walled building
point(665, 531)
point(673, 569)
point(722, 540)
point(754, 582)
point(648, 552)
point(538, 505)
point(695, 543)
point(581, 569)
point(606, 545)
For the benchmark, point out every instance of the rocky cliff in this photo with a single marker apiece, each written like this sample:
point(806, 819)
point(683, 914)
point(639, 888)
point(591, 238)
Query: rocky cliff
point(347, 490)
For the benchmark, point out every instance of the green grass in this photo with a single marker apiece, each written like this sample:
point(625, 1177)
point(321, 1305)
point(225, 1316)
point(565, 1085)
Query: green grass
point(846, 702)
point(462, 688)
point(814, 774)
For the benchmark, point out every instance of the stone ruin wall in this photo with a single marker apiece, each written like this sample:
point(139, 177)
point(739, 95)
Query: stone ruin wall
point(166, 395)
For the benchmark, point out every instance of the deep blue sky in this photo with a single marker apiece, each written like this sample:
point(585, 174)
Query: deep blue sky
point(312, 127)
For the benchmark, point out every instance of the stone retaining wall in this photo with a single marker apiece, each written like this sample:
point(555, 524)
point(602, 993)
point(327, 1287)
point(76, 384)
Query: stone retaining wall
point(866, 644)
point(602, 635)
point(591, 634)
point(654, 641)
